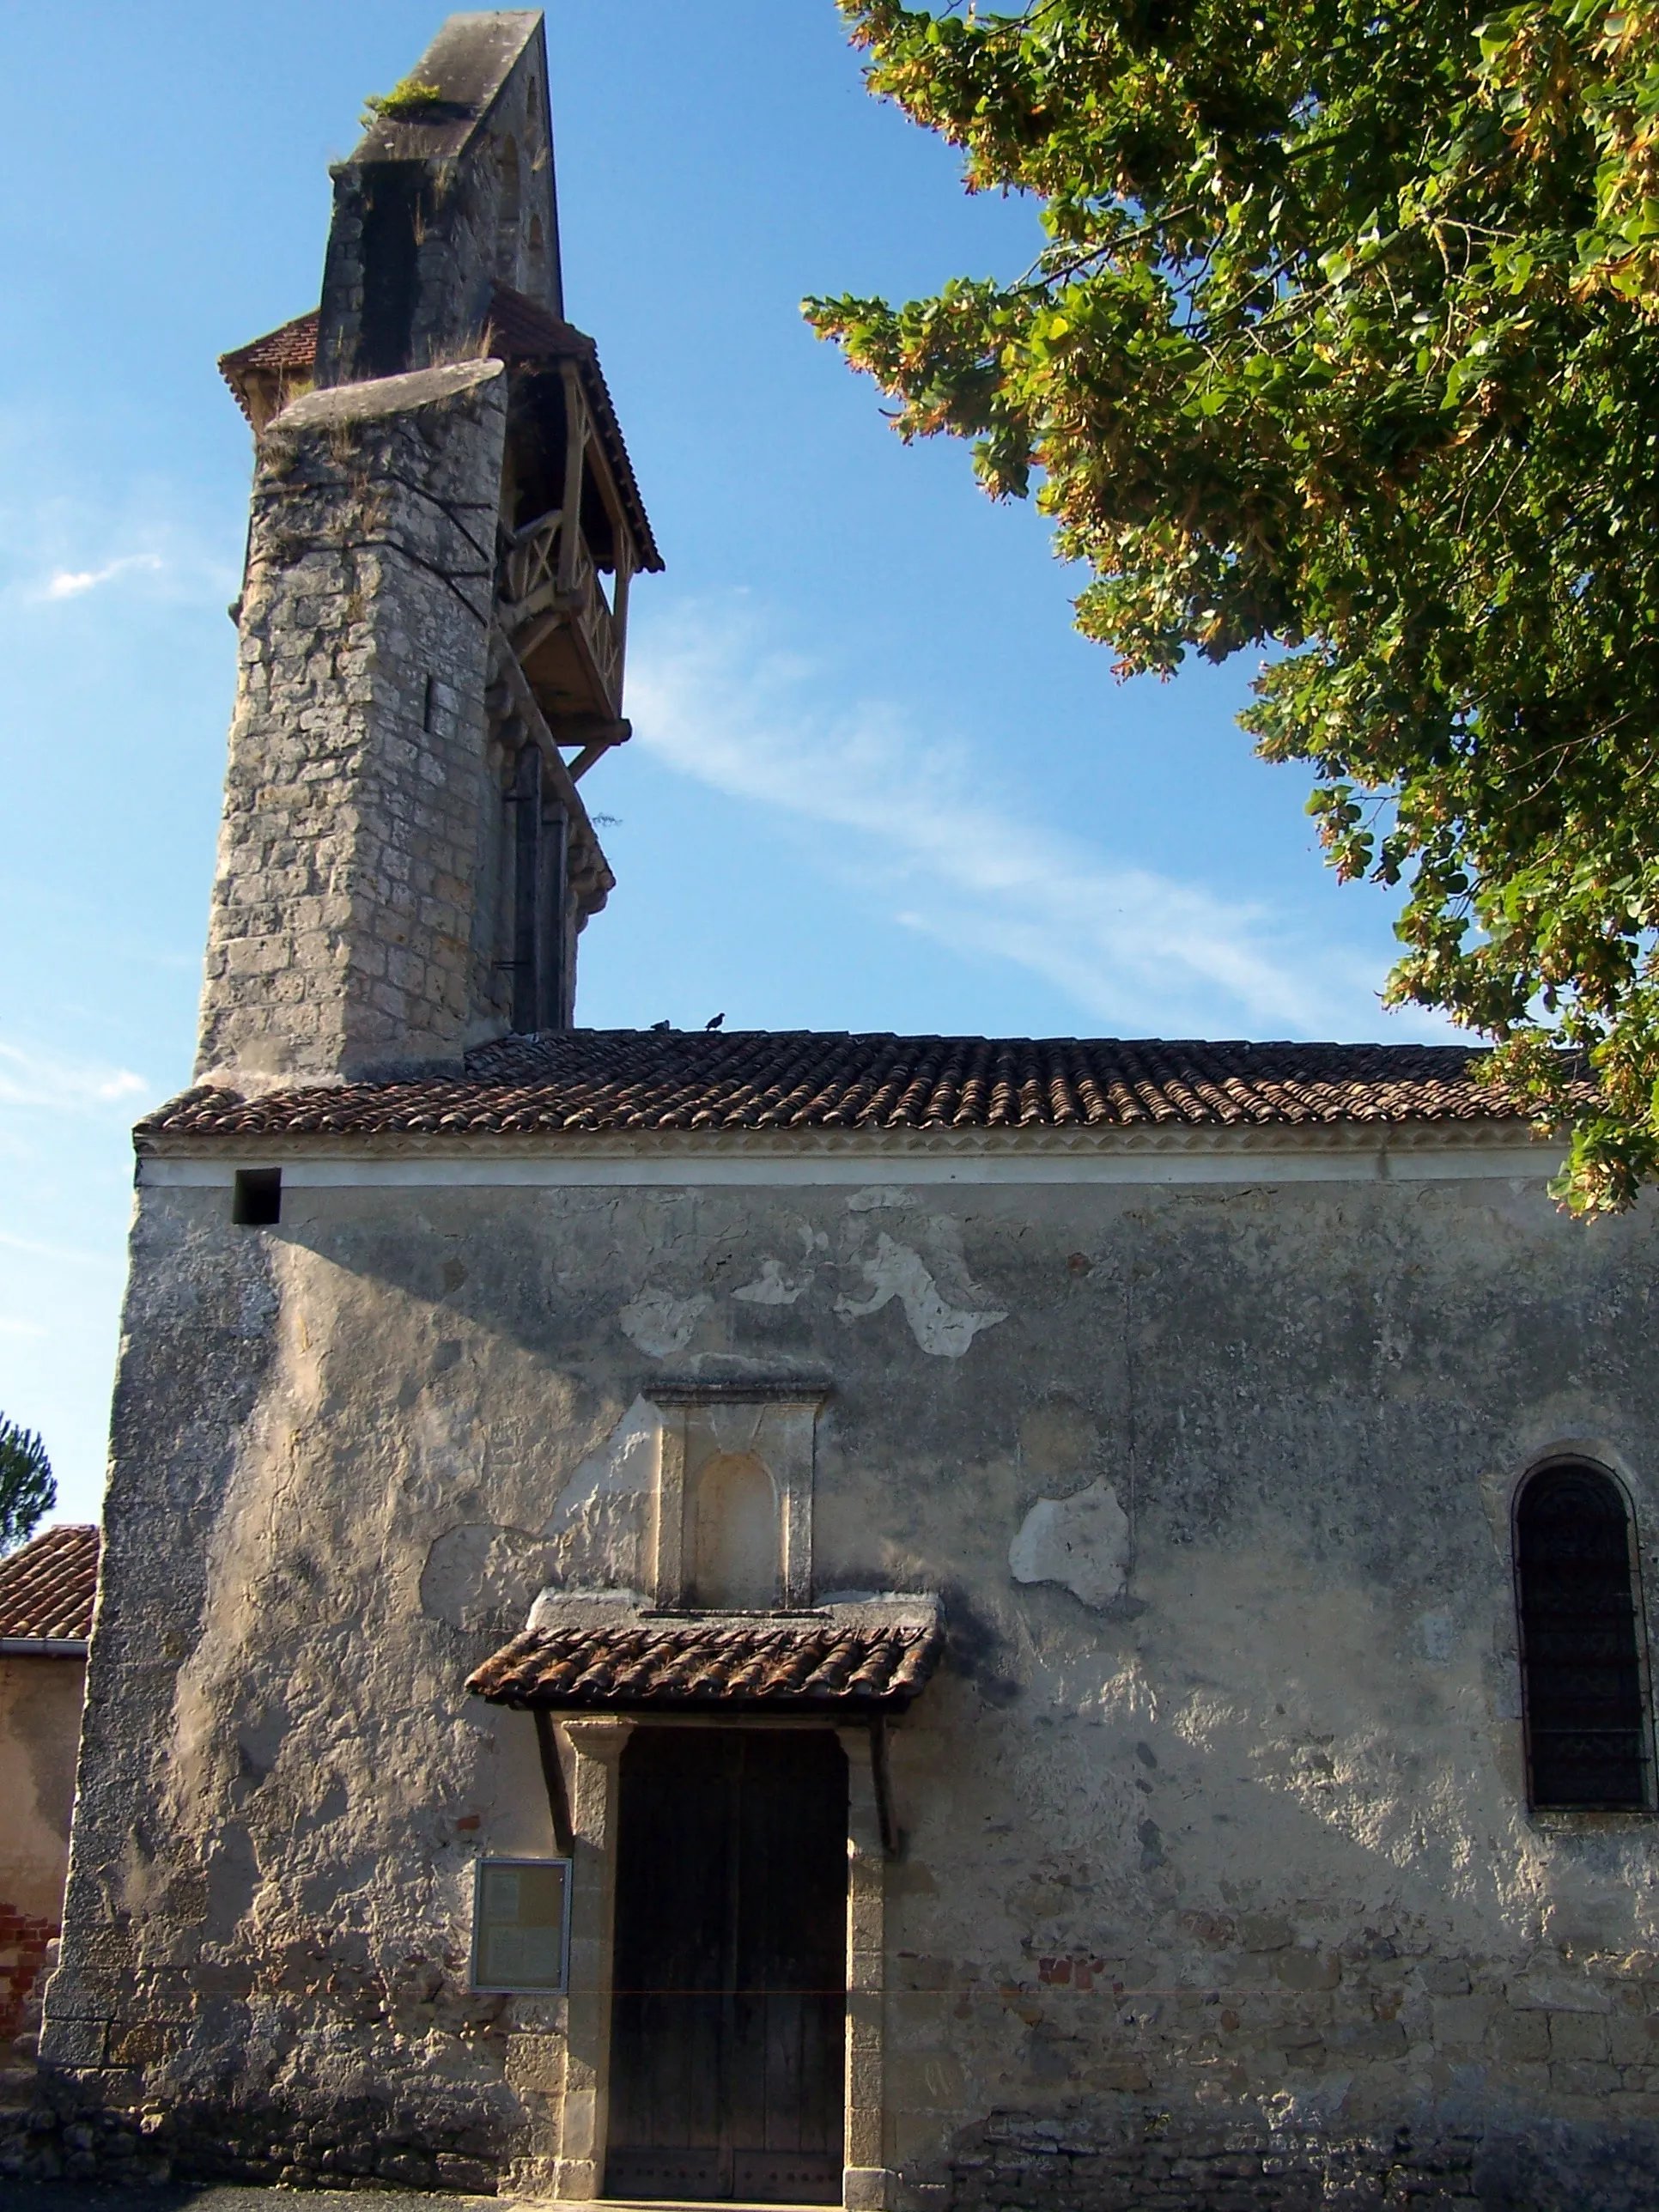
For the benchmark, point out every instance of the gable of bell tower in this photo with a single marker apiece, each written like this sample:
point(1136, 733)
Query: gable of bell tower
point(433, 622)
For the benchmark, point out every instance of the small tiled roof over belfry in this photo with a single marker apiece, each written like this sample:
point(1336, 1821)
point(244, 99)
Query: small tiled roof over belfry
point(615, 1081)
point(47, 1588)
point(290, 347)
point(520, 331)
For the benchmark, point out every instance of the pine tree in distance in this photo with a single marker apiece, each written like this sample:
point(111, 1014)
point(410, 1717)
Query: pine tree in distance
point(26, 1488)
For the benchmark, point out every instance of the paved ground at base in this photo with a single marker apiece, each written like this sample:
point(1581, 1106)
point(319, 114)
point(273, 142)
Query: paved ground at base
point(215, 2197)
point(99, 2197)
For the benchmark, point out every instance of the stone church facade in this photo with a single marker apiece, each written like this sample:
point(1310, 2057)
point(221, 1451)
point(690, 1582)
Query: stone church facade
point(801, 1617)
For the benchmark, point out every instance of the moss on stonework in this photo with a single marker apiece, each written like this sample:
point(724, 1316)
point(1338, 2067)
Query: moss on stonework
point(408, 100)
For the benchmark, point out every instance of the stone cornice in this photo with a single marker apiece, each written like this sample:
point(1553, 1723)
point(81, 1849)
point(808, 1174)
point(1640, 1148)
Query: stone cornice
point(1343, 1150)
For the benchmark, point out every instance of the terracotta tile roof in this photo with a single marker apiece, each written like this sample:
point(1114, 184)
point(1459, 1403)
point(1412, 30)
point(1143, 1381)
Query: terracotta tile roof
point(47, 1588)
point(521, 330)
point(613, 1080)
point(805, 1664)
point(291, 346)
point(524, 330)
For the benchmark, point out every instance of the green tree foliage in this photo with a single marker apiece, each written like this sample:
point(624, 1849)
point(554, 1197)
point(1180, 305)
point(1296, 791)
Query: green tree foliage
point(1345, 340)
point(26, 1488)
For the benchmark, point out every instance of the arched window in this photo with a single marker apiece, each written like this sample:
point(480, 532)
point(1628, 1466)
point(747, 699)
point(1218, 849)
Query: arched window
point(1588, 1739)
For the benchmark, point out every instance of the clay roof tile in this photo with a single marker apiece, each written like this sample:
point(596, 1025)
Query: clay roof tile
point(47, 1588)
point(588, 1081)
point(669, 1663)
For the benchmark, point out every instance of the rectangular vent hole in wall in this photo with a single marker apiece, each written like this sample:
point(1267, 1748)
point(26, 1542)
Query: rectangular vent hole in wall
point(256, 1197)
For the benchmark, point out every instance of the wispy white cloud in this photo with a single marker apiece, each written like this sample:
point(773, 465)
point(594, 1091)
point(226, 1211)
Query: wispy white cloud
point(71, 527)
point(34, 1247)
point(31, 1077)
point(962, 859)
point(70, 583)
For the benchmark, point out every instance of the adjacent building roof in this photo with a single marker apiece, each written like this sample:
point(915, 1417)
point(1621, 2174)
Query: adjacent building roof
point(808, 1664)
point(617, 1081)
point(48, 1589)
point(522, 332)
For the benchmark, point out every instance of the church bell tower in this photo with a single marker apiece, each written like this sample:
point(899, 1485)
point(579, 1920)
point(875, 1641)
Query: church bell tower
point(432, 621)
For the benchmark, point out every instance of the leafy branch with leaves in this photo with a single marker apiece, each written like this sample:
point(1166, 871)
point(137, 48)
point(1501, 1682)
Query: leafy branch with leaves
point(1344, 342)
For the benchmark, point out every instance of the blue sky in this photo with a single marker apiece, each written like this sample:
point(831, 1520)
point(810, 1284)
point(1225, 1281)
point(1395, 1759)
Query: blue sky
point(877, 781)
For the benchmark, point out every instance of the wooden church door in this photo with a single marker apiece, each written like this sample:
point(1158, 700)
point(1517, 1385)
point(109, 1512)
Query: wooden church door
point(730, 1979)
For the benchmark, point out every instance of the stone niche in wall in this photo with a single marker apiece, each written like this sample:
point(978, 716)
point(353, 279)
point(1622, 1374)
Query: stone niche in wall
point(732, 1516)
point(735, 1554)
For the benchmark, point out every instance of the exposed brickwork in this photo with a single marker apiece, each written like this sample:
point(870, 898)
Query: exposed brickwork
point(428, 210)
point(24, 1941)
point(279, 2112)
point(1266, 2013)
point(1178, 1851)
point(1202, 1874)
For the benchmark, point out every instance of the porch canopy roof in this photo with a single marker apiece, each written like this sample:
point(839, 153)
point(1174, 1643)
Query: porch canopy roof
point(860, 1660)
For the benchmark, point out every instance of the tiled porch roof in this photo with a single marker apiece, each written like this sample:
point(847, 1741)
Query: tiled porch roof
point(811, 1663)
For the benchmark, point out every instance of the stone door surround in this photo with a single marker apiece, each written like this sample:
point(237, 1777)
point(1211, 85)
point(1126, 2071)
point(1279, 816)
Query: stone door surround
point(572, 2168)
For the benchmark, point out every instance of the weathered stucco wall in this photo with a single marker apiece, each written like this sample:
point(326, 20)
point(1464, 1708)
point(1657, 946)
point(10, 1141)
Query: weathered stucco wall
point(1217, 1868)
point(39, 1731)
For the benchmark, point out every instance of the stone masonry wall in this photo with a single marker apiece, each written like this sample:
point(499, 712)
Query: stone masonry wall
point(1218, 1885)
point(345, 930)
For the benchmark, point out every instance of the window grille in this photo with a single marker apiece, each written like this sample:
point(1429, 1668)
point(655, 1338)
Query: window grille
point(1587, 1732)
